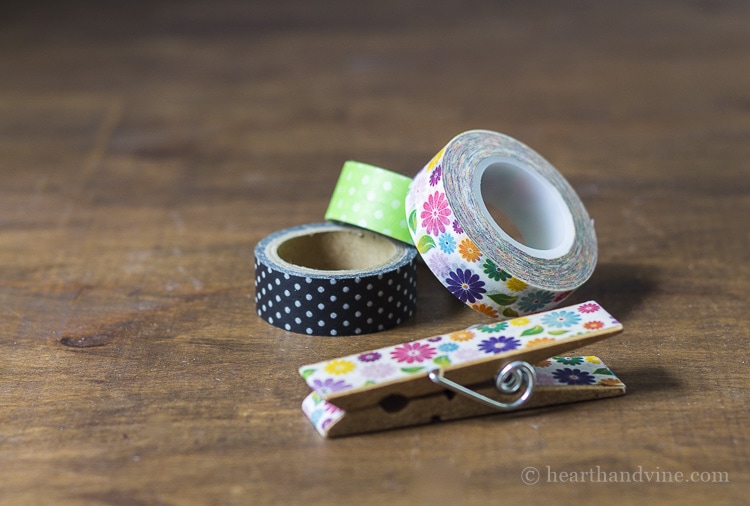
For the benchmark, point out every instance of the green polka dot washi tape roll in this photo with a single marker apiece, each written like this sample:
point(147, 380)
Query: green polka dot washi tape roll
point(471, 254)
point(371, 198)
point(326, 279)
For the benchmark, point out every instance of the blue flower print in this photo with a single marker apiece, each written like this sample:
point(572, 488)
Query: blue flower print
point(561, 319)
point(448, 347)
point(447, 243)
point(534, 301)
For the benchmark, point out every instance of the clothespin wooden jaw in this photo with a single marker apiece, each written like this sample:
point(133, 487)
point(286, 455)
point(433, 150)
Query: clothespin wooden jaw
point(480, 370)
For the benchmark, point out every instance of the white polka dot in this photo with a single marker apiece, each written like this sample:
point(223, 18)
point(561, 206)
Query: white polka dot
point(387, 186)
point(269, 286)
point(365, 179)
point(369, 303)
point(308, 296)
point(345, 306)
point(369, 286)
point(390, 316)
point(380, 293)
point(321, 323)
point(287, 310)
point(358, 280)
point(297, 303)
point(357, 297)
point(378, 214)
point(402, 223)
point(380, 310)
point(308, 280)
point(395, 204)
point(278, 315)
point(297, 287)
point(345, 289)
point(345, 323)
point(381, 327)
point(387, 231)
point(321, 306)
point(308, 330)
point(332, 298)
point(369, 321)
point(270, 319)
point(333, 316)
point(286, 293)
point(356, 207)
point(321, 289)
point(362, 223)
point(358, 314)
point(333, 332)
point(357, 331)
point(333, 281)
point(270, 303)
point(278, 282)
point(352, 190)
point(287, 326)
point(370, 196)
point(308, 314)
point(298, 320)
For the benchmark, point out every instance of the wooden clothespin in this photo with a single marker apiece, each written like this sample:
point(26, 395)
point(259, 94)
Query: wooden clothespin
point(484, 369)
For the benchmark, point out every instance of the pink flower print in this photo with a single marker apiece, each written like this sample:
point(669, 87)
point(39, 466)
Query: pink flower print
point(413, 352)
point(435, 214)
point(589, 307)
point(378, 370)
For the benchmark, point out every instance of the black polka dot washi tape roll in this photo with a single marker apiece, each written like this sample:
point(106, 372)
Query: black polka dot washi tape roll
point(333, 280)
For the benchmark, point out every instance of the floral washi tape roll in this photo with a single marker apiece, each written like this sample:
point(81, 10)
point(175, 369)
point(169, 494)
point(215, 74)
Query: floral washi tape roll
point(328, 279)
point(471, 254)
point(371, 198)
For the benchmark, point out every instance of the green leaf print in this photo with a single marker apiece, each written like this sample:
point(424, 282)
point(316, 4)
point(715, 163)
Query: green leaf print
point(502, 299)
point(425, 244)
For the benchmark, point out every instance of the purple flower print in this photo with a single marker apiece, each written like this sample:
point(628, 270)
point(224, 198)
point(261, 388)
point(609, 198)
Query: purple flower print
point(499, 344)
point(330, 385)
point(435, 175)
point(465, 285)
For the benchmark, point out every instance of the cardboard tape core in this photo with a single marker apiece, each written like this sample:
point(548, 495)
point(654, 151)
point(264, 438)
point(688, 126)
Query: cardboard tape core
point(336, 251)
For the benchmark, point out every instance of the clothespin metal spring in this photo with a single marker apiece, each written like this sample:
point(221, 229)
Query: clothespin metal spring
point(509, 380)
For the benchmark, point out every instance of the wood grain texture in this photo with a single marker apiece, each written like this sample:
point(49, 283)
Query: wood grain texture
point(146, 147)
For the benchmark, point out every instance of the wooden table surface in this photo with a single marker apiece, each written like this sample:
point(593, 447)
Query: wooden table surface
point(146, 148)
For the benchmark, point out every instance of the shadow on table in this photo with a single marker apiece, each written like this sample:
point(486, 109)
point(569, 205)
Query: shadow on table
point(620, 288)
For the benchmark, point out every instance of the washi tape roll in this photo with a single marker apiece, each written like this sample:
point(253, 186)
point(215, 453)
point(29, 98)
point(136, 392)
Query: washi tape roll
point(471, 254)
point(371, 198)
point(329, 279)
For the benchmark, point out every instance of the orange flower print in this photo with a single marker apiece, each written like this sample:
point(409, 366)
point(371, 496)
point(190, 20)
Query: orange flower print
point(469, 250)
point(593, 325)
point(461, 335)
point(485, 310)
point(544, 363)
point(610, 382)
point(538, 341)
